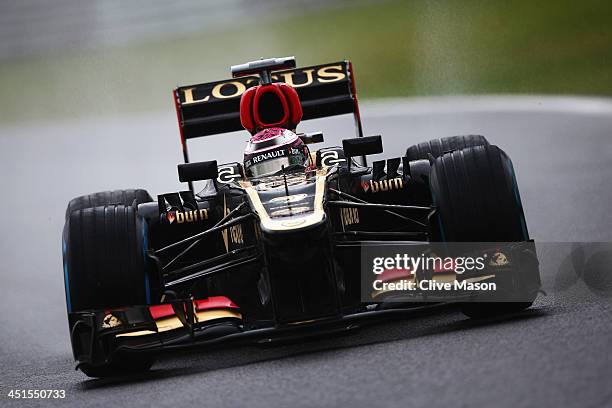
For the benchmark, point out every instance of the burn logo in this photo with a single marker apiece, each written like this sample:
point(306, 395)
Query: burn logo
point(187, 216)
point(383, 185)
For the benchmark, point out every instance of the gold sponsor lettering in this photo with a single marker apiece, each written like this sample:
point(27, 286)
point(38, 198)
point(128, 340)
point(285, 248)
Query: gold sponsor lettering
point(235, 231)
point(239, 89)
point(331, 73)
point(236, 234)
point(234, 89)
point(349, 216)
point(385, 185)
point(188, 94)
point(188, 216)
point(287, 77)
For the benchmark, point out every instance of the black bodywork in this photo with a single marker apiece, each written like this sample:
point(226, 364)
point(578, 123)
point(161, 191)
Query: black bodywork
point(284, 248)
point(280, 272)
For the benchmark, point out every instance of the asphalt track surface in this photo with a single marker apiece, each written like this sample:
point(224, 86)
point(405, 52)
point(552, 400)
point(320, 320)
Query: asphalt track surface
point(559, 353)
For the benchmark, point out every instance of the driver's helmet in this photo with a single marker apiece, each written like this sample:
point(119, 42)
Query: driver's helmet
point(272, 149)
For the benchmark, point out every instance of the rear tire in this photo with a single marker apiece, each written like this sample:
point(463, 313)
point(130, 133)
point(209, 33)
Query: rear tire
point(437, 147)
point(130, 197)
point(477, 198)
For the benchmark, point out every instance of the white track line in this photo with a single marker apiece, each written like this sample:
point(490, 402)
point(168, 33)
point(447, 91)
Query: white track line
point(487, 104)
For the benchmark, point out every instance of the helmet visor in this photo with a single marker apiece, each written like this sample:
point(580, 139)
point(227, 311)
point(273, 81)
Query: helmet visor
point(269, 166)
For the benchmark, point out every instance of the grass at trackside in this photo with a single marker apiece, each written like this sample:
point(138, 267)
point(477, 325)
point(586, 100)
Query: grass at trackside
point(440, 47)
point(399, 48)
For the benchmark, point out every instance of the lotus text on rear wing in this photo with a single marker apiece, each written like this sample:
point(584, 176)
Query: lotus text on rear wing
point(236, 87)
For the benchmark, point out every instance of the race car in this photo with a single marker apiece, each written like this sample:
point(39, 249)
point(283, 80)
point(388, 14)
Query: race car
point(271, 247)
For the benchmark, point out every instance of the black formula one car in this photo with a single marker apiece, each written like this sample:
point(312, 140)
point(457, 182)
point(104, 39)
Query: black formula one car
point(271, 249)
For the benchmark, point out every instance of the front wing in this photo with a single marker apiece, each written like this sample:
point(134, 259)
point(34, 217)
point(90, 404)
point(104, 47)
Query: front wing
point(99, 335)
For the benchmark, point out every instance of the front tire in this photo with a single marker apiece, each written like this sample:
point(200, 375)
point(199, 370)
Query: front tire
point(477, 198)
point(105, 262)
point(105, 266)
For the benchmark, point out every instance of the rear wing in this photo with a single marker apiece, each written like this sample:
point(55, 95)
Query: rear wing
point(214, 107)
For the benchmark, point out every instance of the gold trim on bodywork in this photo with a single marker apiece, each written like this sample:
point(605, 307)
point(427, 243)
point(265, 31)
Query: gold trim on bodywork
point(173, 322)
point(291, 223)
point(216, 314)
point(168, 323)
point(225, 232)
point(137, 333)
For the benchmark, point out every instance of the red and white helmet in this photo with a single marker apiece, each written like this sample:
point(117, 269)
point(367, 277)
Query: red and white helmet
point(271, 149)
